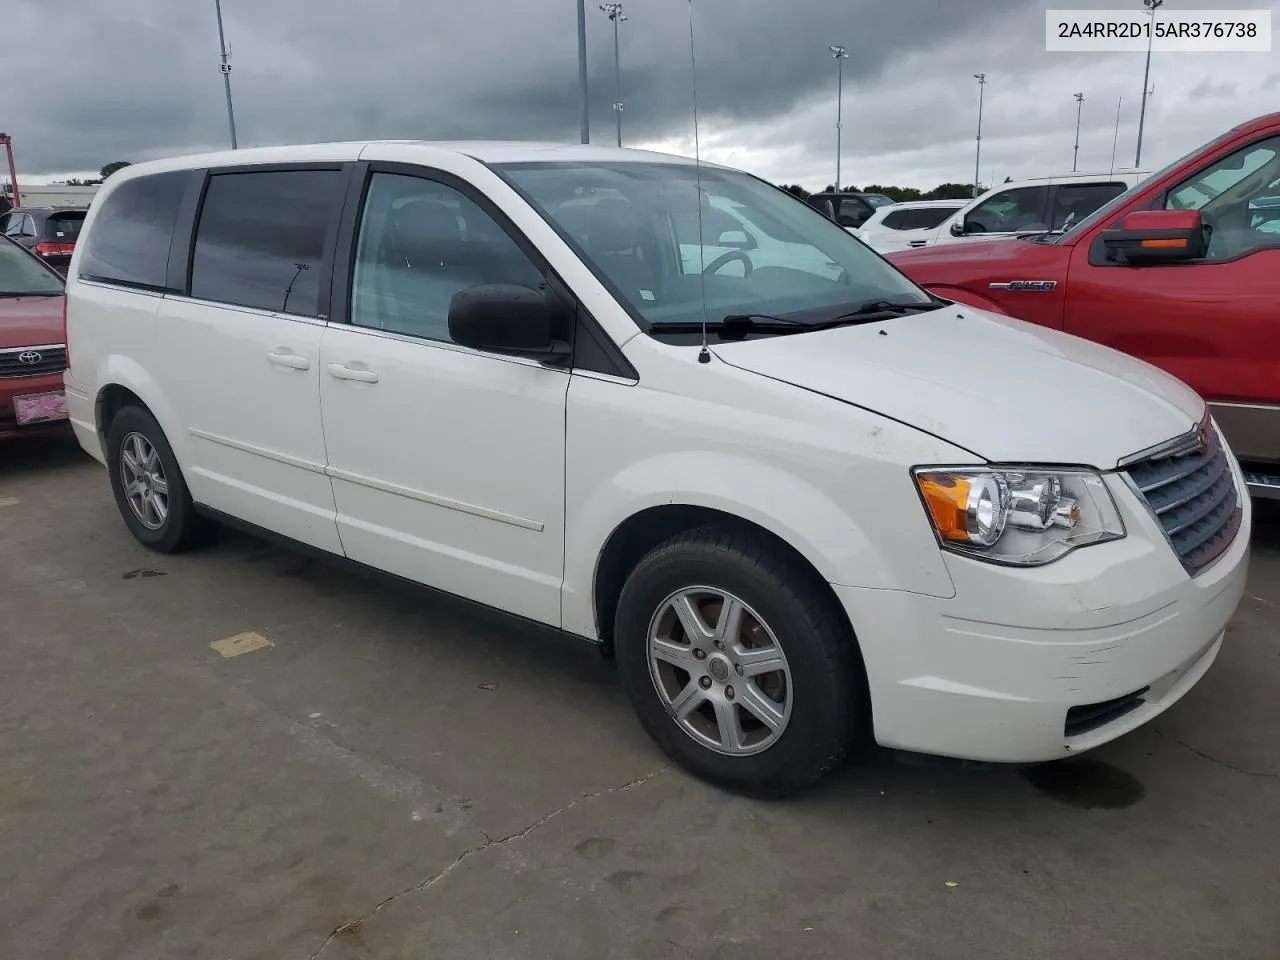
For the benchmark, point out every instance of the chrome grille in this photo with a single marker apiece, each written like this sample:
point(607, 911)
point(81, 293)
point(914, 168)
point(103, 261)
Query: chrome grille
point(1192, 491)
point(32, 361)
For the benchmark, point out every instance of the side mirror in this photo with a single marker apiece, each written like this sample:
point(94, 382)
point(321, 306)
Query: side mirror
point(1156, 236)
point(957, 228)
point(505, 318)
point(736, 240)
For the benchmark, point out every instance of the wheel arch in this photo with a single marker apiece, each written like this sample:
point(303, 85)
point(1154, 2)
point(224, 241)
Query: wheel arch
point(639, 533)
point(123, 382)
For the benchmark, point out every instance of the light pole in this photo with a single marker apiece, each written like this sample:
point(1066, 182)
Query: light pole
point(226, 72)
point(977, 160)
point(1151, 5)
point(582, 70)
point(841, 55)
point(614, 12)
point(1075, 157)
point(1116, 139)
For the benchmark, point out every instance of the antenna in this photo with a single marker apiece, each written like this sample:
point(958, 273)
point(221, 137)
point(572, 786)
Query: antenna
point(704, 355)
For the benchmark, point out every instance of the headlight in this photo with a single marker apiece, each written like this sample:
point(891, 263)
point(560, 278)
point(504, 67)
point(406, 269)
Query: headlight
point(1022, 516)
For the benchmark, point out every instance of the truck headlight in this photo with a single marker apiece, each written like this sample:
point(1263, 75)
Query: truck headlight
point(1025, 516)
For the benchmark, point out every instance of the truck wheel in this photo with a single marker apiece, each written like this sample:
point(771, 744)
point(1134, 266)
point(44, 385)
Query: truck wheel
point(150, 492)
point(738, 662)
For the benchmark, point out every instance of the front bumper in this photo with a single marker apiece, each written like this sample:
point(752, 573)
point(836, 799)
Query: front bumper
point(11, 387)
point(993, 673)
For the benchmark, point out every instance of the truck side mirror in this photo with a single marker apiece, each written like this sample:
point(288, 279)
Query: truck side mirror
point(1156, 236)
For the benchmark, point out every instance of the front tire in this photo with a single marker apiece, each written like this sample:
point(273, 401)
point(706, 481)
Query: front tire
point(150, 491)
point(738, 662)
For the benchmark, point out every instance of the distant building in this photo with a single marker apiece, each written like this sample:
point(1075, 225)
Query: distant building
point(48, 195)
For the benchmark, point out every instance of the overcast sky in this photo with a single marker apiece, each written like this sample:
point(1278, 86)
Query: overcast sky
point(93, 81)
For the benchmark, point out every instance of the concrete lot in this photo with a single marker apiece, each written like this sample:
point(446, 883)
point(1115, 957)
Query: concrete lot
point(393, 778)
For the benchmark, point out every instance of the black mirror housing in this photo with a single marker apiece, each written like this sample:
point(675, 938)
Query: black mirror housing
point(506, 318)
point(957, 229)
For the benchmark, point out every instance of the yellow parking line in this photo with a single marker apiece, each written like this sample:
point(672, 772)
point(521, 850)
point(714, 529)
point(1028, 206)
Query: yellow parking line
point(241, 643)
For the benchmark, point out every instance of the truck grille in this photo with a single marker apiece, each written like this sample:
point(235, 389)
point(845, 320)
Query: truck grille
point(1191, 489)
point(32, 361)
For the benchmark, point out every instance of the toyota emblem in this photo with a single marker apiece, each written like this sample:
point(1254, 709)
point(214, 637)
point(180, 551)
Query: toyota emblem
point(30, 357)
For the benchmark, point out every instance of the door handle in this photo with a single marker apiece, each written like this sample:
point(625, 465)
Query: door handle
point(343, 372)
point(285, 358)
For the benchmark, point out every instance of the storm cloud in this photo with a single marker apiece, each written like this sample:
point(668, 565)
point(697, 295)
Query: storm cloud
point(135, 79)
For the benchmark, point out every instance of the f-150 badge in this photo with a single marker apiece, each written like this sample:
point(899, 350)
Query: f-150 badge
point(1031, 286)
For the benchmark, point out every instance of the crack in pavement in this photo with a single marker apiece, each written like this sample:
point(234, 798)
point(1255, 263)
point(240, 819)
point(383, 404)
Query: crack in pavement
point(1212, 759)
point(1224, 763)
point(489, 842)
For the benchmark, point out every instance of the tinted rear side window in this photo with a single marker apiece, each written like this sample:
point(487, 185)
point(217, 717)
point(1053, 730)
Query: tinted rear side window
point(898, 220)
point(261, 238)
point(1075, 201)
point(129, 242)
point(926, 218)
point(64, 226)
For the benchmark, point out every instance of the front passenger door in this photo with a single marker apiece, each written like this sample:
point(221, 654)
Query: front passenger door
point(447, 463)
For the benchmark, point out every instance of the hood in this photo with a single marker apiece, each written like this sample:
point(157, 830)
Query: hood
point(26, 321)
point(1005, 390)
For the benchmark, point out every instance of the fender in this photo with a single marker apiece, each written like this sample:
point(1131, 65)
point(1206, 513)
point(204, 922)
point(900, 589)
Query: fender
point(782, 502)
point(968, 298)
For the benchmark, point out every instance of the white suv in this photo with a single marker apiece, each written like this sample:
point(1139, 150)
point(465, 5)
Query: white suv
point(1041, 205)
point(852, 509)
point(902, 226)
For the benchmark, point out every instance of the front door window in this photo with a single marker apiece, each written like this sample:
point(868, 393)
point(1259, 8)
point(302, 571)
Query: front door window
point(1021, 209)
point(1238, 198)
point(420, 243)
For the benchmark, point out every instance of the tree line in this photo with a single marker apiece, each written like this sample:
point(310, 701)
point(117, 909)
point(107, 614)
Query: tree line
point(944, 191)
point(106, 171)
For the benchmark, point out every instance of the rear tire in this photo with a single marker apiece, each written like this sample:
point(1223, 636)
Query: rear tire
point(765, 706)
point(149, 488)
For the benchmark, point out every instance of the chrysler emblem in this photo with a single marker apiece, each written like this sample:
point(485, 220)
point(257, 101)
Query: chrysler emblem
point(30, 357)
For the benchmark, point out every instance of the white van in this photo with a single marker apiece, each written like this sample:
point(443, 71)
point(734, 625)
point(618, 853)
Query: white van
point(847, 509)
point(1036, 205)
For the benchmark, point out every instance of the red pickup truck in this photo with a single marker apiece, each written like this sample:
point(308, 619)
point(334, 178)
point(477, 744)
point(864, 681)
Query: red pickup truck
point(1182, 271)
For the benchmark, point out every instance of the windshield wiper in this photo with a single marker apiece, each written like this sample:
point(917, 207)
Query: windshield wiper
point(759, 321)
point(736, 325)
point(16, 294)
point(880, 309)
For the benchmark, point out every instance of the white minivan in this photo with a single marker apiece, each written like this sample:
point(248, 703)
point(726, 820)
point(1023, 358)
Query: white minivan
point(803, 508)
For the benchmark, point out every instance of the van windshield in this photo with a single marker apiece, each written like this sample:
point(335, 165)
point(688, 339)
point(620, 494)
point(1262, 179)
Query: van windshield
point(744, 245)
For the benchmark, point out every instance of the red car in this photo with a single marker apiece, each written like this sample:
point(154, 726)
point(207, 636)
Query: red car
point(1182, 270)
point(32, 345)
